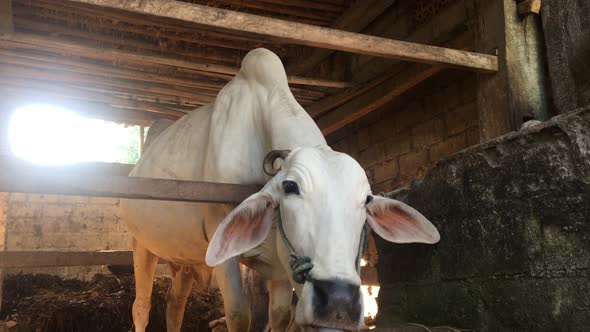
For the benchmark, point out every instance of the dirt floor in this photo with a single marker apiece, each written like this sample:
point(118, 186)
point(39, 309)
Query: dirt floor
point(48, 303)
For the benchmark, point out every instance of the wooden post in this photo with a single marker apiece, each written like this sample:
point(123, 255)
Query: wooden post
point(5, 114)
point(3, 204)
point(6, 24)
point(141, 140)
point(517, 90)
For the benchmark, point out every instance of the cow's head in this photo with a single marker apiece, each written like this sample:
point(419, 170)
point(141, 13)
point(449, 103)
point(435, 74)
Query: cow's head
point(324, 199)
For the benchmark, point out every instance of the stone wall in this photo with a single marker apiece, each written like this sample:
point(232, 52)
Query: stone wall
point(514, 220)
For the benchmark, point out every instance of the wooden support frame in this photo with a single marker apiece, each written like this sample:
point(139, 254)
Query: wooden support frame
point(375, 97)
point(303, 34)
point(113, 55)
point(354, 19)
point(505, 99)
point(28, 259)
point(48, 180)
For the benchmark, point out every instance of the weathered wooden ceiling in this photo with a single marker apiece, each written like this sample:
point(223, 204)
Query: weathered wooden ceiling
point(137, 68)
point(136, 61)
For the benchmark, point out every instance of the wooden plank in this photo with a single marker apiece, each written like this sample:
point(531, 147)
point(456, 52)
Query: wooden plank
point(27, 259)
point(24, 259)
point(376, 97)
point(110, 54)
point(41, 89)
point(6, 23)
point(50, 180)
point(303, 34)
point(324, 105)
point(3, 207)
point(15, 165)
point(354, 19)
point(20, 97)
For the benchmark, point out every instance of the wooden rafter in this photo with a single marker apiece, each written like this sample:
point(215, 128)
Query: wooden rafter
point(376, 97)
point(86, 108)
point(303, 34)
point(115, 55)
point(354, 19)
point(28, 259)
point(74, 93)
point(325, 105)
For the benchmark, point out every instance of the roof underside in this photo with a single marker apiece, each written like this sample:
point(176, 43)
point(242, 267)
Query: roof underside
point(136, 61)
point(87, 57)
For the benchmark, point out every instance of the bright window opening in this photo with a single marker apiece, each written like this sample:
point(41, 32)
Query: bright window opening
point(50, 135)
point(370, 300)
point(369, 296)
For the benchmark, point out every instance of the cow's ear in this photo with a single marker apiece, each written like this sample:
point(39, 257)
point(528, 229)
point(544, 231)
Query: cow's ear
point(397, 222)
point(243, 229)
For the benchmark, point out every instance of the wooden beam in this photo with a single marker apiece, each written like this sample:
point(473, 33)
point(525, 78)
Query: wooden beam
point(354, 19)
point(3, 207)
point(20, 97)
point(28, 259)
point(15, 165)
point(376, 97)
point(6, 23)
point(43, 68)
point(321, 107)
point(50, 180)
point(39, 89)
point(112, 55)
point(303, 34)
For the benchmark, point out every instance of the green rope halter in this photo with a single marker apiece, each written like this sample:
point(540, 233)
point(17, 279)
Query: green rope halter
point(301, 265)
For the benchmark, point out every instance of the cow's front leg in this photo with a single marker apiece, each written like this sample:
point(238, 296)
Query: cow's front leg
point(144, 267)
point(280, 297)
point(235, 303)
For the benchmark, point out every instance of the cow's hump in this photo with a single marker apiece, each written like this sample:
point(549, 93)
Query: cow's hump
point(265, 67)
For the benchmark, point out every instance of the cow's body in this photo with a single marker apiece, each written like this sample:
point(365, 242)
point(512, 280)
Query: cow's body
point(323, 196)
point(222, 142)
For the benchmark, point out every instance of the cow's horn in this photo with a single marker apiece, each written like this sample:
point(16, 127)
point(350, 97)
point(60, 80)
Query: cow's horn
point(269, 161)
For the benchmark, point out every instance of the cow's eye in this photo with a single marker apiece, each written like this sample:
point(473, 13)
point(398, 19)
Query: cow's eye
point(369, 199)
point(290, 187)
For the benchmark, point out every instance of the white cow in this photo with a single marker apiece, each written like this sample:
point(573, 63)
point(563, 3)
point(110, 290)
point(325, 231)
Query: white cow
point(323, 196)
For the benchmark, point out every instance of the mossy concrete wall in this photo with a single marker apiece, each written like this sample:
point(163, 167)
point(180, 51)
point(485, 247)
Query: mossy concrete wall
point(514, 218)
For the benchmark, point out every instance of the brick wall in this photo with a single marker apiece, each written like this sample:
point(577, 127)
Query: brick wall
point(403, 139)
point(63, 223)
point(400, 142)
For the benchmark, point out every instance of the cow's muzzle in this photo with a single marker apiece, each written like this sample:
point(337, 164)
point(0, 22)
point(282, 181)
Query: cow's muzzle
point(336, 304)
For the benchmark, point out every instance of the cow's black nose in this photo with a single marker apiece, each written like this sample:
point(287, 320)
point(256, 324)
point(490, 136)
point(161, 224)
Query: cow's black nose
point(336, 301)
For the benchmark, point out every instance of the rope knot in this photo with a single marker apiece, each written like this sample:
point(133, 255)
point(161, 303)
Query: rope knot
point(300, 265)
